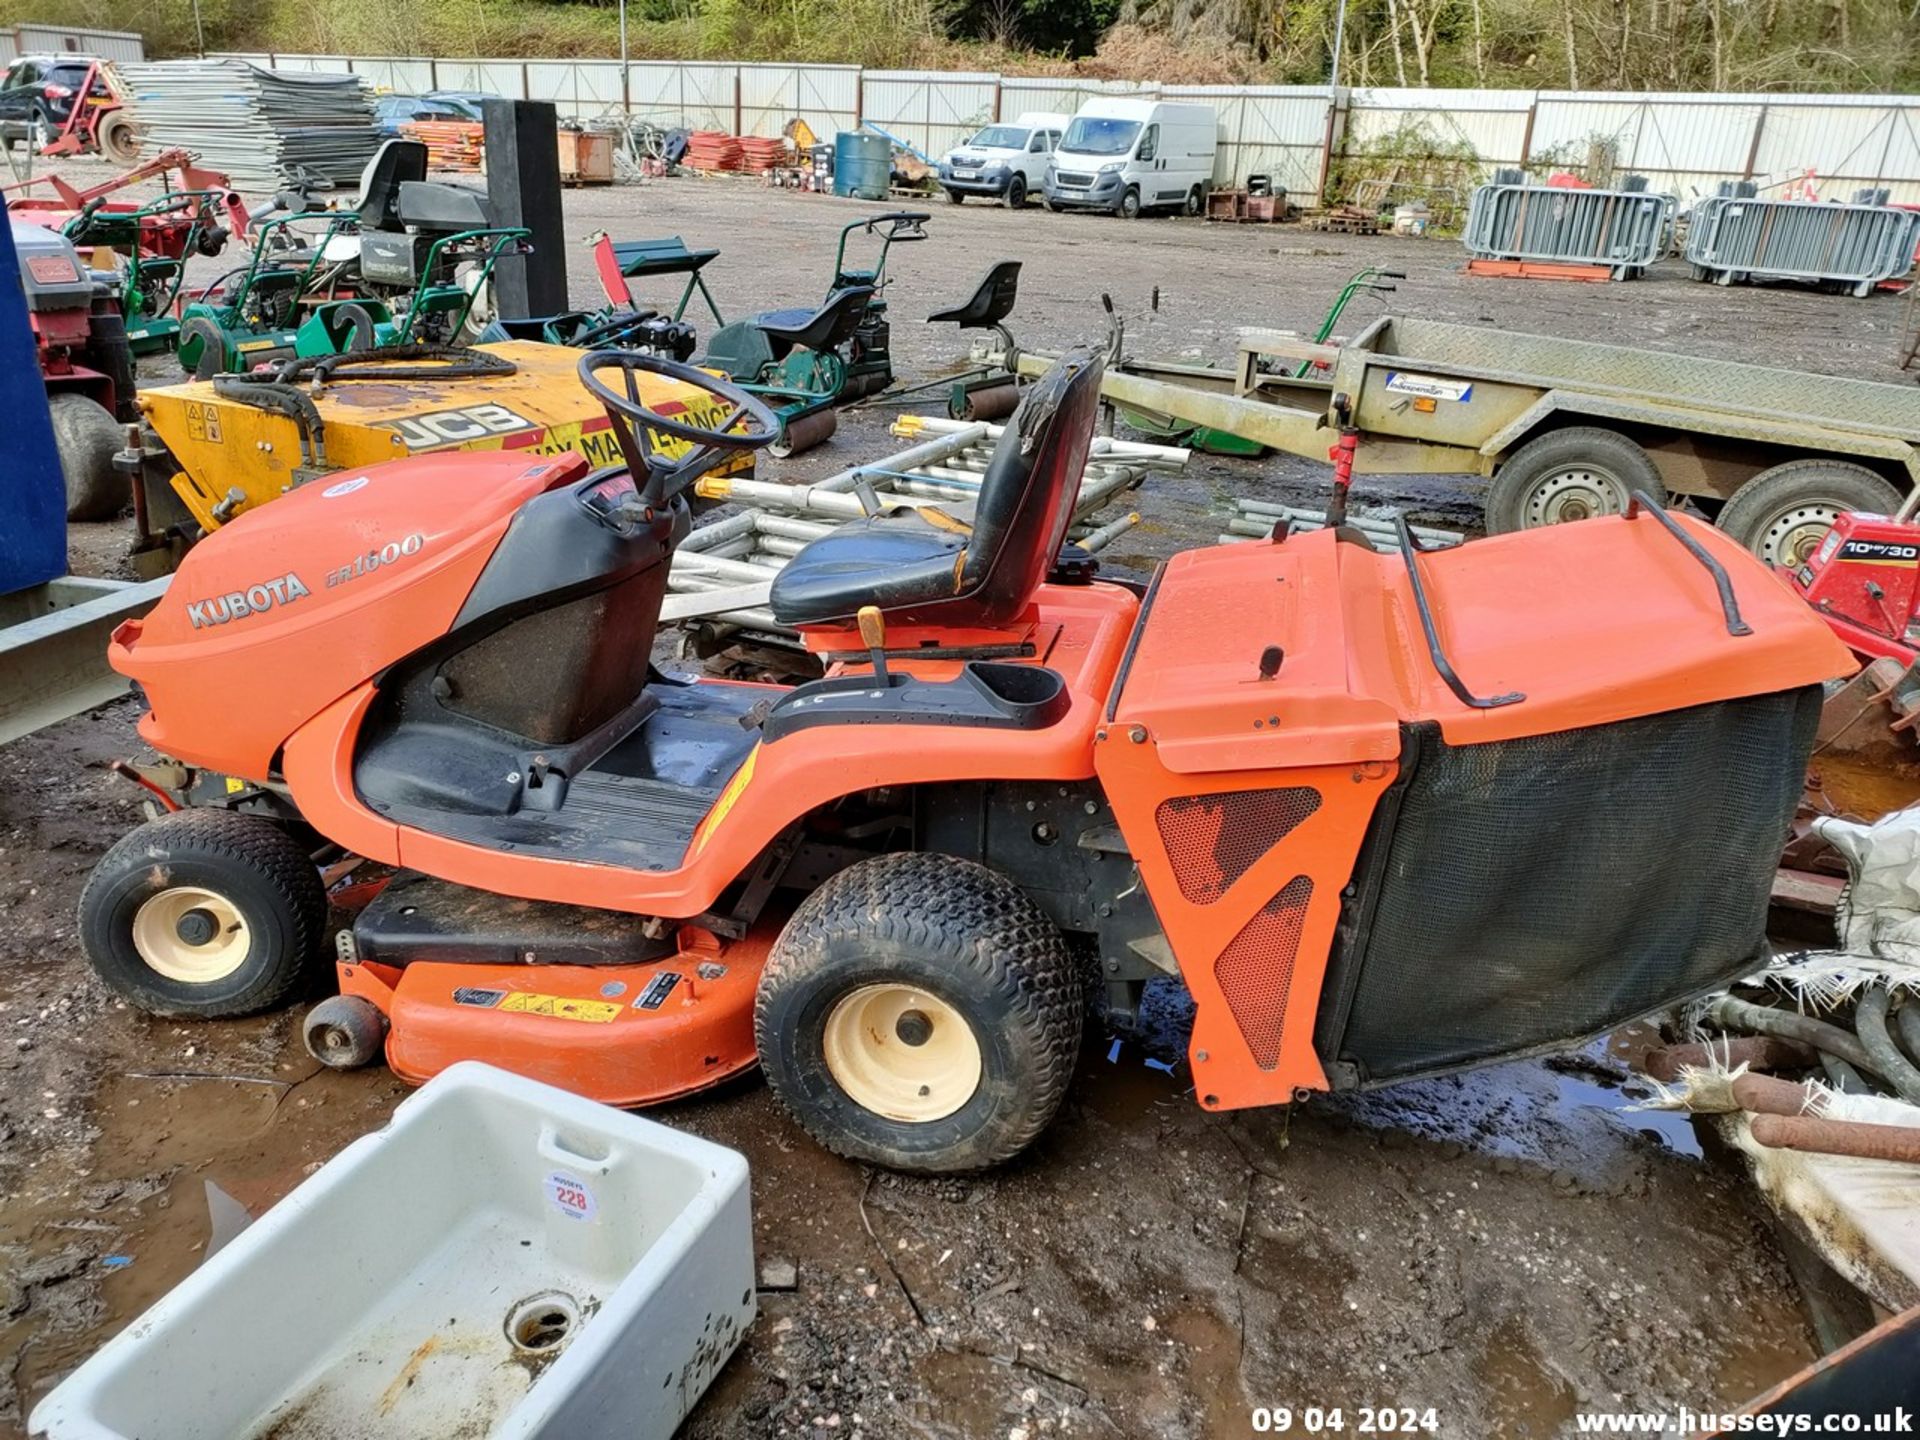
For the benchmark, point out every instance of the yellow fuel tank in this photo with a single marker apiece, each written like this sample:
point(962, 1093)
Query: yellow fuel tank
point(234, 455)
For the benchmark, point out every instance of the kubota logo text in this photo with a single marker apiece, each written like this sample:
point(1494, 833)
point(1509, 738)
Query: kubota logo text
point(254, 600)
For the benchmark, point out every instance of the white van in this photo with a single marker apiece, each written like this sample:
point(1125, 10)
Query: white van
point(1004, 161)
point(1130, 155)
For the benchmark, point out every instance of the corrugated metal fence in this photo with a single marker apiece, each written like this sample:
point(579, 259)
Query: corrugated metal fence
point(1825, 145)
point(66, 40)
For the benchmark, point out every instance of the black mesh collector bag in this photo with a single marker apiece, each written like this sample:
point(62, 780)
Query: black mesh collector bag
point(1528, 892)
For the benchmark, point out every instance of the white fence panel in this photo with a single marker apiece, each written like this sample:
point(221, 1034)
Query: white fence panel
point(827, 97)
point(400, 77)
point(1686, 144)
point(933, 111)
point(1061, 95)
point(579, 89)
point(492, 77)
point(1272, 130)
point(699, 97)
point(1493, 122)
point(1840, 145)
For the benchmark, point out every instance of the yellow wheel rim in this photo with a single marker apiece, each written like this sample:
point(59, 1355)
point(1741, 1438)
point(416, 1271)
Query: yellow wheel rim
point(191, 935)
point(902, 1052)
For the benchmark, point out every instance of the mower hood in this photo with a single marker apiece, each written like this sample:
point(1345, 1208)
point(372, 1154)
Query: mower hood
point(278, 614)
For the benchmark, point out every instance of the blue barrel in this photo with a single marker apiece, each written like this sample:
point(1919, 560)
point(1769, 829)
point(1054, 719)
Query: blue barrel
point(862, 165)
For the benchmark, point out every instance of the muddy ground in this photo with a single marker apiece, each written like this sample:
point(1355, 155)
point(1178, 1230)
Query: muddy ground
point(1506, 1249)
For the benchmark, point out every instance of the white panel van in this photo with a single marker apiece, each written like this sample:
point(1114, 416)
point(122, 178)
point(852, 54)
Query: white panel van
point(1130, 155)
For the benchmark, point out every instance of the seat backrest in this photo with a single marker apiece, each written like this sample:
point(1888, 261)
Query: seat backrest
point(990, 303)
point(395, 163)
point(429, 205)
point(1027, 495)
point(831, 325)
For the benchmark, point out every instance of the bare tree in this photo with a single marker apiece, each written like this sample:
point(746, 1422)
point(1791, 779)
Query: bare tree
point(1573, 58)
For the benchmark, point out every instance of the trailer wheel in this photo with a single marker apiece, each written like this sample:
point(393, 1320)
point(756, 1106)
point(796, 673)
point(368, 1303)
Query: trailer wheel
point(204, 912)
point(1782, 514)
point(1571, 474)
point(920, 1012)
point(88, 437)
point(118, 138)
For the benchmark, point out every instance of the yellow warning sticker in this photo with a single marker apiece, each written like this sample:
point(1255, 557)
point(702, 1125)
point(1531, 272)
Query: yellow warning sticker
point(562, 1007)
point(235, 784)
point(736, 787)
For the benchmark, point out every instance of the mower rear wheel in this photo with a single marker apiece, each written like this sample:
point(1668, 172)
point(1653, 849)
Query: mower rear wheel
point(87, 438)
point(1784, 513)
point(204, 912)
point(1573, 474)
point(344, 1032)
point(920, 1012)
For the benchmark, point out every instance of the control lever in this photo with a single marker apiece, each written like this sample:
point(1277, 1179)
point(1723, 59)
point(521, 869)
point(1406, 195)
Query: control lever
point(873, 635)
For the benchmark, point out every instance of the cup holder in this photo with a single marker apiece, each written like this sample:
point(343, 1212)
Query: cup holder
point(1028, 695)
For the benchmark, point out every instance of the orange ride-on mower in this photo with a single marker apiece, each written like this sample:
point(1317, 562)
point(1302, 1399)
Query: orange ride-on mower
point(1385, 814)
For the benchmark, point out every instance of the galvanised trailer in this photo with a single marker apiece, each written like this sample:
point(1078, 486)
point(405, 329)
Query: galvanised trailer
point(1564, 429)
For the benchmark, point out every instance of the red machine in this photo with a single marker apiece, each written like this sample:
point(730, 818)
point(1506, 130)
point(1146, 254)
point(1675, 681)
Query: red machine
point(1379, 818)
point(97, 120)
point(164, 230)
point(1865, 581)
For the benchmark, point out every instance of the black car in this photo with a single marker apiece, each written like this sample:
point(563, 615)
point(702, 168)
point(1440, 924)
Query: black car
point(38, 95)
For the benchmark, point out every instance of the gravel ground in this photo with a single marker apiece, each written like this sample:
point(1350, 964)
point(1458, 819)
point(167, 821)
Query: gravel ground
point(1506, 1248)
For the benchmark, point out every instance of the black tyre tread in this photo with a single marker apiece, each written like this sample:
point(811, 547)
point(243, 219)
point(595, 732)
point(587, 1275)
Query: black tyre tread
point(247, 840)
point(1855, 486)
point(1506, 495)
point(85, 431)
point(983, 920)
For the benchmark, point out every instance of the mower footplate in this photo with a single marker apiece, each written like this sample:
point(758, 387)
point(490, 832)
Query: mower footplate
point(625, 1035)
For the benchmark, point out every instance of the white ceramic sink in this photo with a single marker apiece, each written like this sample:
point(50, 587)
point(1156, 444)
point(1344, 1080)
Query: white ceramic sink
point(503, 1259)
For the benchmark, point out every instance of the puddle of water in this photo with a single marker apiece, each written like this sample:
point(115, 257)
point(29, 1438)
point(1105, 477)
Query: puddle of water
point(138, 1224)
point(1567, 1111)
point(1529, 1400)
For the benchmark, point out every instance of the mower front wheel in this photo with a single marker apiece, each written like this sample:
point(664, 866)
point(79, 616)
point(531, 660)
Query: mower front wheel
point(920, 1012)
point(205, 912)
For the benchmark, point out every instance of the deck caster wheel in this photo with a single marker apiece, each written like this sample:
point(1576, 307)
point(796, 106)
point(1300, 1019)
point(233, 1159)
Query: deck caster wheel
point(345, 1032)
point(920, 1012)
point(205, 912)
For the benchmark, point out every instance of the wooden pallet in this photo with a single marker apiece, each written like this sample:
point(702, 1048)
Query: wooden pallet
point(1346, 222)
point(1540, 270)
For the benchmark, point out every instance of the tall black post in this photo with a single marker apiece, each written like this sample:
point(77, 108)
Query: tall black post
point(523, 188)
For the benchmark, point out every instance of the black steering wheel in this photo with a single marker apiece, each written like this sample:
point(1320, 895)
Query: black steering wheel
point(639, 430)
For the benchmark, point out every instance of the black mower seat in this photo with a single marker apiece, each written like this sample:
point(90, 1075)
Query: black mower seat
point(395, 163)
point(832, 324)
point(429, 205)
point(991, 302)
point(926, 567)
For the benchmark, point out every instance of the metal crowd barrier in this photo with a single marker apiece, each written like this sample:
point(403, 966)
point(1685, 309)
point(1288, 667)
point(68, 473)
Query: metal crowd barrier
point(1856, 246)
point(1626, 229)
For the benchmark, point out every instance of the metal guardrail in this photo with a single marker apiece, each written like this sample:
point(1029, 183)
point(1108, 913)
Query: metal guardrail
point(1626, 230)
point(1740, 237)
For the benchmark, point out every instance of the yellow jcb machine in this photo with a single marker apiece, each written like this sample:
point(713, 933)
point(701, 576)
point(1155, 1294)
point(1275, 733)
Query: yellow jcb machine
point(216, 448)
